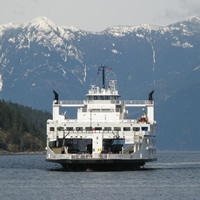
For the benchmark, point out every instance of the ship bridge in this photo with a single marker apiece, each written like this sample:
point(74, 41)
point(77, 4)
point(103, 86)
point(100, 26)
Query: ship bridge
point(103, 104)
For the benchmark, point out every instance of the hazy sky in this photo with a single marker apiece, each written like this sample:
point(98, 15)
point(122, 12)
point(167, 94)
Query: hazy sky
point(97, 15)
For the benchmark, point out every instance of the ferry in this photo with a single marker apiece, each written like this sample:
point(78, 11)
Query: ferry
point(102, 138)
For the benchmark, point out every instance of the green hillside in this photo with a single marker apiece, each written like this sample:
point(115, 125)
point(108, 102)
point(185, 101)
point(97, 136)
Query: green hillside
point(22, 128)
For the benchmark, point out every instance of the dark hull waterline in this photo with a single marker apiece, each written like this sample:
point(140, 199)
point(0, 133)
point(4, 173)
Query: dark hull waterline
point(101, 165)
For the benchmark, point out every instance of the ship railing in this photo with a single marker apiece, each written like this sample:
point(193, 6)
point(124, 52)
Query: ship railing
point(137, 102)
point(68, 103)
point(60, 133)
point(133, 121)
point(103, 101)
point(98, 110)
point(125, 102)
point(71, 102)
point(52, 155)
point(98, 91)
point(138, 136)
point(92, 156)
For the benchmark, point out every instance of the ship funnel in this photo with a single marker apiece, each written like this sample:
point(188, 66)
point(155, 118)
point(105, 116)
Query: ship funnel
point(56, 96)
point(151, 95)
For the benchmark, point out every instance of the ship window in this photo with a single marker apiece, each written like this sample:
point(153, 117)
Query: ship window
point(117, 128)
point(113, 98)
point(51, 128)
point(126, 128)
point(107, 98)
point(88, 128)
point(98, 128)
point(107, 128)
point(79, 128)
point(60, 128)
point(136, 128)
point(70, 129)
point(97, 97)
point(144, 128)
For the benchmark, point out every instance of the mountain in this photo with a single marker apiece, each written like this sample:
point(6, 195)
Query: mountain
point(38, 57)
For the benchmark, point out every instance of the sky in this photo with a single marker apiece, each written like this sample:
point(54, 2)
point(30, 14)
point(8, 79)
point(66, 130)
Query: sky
point(97, 15)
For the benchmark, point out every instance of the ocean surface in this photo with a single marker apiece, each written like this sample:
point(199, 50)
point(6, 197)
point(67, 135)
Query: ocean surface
point(176, 175)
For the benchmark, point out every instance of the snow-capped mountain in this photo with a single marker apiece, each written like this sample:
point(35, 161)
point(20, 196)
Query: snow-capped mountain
point(39, 56)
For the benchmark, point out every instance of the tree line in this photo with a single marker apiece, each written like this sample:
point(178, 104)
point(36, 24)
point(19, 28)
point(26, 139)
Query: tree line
point(22, 128)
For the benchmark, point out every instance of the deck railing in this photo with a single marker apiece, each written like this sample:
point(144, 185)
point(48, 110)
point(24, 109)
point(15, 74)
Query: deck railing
point(98, 110)
point(126, 102)
point(137, 102)
point(63, 102)
point(92, 156)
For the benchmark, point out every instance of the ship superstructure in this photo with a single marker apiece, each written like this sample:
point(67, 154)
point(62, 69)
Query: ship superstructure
point(102, 137)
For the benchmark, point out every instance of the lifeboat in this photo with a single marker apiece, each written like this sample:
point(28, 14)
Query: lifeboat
point(142, 119)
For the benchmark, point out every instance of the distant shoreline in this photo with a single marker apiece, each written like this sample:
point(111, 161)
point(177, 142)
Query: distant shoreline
point(22, 153)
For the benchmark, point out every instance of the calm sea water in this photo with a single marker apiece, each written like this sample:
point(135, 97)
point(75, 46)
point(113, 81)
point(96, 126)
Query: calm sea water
point(176, 175)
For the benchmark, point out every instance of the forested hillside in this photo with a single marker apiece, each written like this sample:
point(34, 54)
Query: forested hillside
point(22, 128)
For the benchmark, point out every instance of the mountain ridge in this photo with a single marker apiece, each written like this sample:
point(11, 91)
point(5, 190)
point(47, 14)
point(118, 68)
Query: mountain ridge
point(38, 57)
point(41, 22)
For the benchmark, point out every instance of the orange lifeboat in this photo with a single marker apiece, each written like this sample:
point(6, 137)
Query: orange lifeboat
point(143, 119)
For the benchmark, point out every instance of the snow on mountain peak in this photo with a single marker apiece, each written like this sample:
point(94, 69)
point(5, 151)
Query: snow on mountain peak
point(120, 31)
point(194, 19)
point(41, 23)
